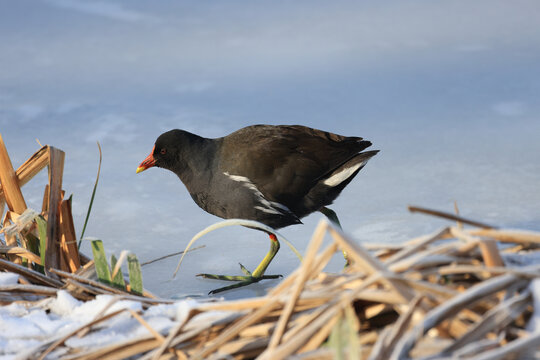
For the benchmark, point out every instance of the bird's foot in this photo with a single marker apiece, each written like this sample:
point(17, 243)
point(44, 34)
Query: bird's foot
point(244, 280)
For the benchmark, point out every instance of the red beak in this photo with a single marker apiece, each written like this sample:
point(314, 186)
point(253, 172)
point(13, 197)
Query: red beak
point(148, 162)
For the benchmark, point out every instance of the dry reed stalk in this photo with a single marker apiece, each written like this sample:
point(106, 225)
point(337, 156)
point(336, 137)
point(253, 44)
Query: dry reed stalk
point(31, 167)
point(516, 347)
point(190, 340)
point(368, 263)
point(333, 309)
point(236, 347)
point(68, 239)
point(389, 338)
point(20, 252)
point(11, 239)
point(304, 274)
point(265, 329)
point(405, 252)
point(450, 308)
point(124, 350)
point(488, 247)
point(83, 280)
point(8, 180)
point(172, 334)
point(55, 343)
point(75, 288)
point(509, 236)
point(2, 204)
point(285, 285)
point(285, 349)
point(308, 303)
point(235, 305)
point(262, 330)
point(154, 333)
point(380, 296)
point(459, 224)
point(322, 259)
point(56, 168)
point(439, 292)
point(32, 275)
point(496, 318)
point(145, 300)
point(80, 291)
point(319, 354)
point(320, 336)
point(306, 320)
point(234, 329)
point(421, 263)
point(342, 282)
point(490, 253)
point(527, 272)
point(31, 289)
point(449, 216)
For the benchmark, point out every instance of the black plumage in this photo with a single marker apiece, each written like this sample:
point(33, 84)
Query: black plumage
point(272, 174)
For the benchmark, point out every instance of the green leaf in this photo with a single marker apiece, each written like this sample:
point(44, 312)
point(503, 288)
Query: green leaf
point(32, 243)
point(344, 336)
point(91, 198)
point(100, 262)
point(331, 215)
point(135, 275)
point(42, 230)
point(118, 280)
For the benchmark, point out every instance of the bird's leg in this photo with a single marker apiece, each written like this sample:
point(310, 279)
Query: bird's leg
point(249, 277)
point(274, 248)
point(332, 216)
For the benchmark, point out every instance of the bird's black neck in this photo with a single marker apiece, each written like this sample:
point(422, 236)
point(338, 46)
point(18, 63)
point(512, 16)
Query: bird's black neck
point(196, 164)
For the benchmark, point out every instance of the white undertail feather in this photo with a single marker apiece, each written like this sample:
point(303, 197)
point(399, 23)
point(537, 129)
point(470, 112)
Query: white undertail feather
point(343, 175)
point(270, 207)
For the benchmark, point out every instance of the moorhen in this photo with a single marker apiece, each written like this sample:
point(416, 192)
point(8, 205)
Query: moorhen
point(272, 174)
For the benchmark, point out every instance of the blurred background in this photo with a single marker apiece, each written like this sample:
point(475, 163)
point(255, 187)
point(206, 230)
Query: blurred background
point(448, 91)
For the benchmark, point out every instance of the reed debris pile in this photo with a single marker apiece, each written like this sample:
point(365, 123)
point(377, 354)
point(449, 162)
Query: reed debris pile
point(432, 297)
point(457, 293)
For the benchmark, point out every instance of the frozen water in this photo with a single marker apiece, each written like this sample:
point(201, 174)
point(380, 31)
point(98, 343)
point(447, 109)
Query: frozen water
point(451, 102)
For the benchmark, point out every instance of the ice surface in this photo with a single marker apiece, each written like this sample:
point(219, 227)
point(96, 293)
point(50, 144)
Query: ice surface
point(451, 102)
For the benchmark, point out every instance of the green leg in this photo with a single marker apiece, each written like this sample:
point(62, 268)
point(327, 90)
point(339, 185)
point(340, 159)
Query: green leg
point(332, 216)
point(249, 277)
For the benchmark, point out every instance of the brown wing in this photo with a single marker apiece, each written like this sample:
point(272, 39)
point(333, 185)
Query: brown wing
point(285, 161)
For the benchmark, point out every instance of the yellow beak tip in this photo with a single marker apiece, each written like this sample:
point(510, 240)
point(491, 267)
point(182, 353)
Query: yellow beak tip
point(139, 169)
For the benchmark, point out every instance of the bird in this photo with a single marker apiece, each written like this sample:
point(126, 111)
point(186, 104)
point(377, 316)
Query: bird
point(273, 174)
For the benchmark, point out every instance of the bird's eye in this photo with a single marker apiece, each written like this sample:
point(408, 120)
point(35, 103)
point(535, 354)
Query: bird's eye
point(163, 151)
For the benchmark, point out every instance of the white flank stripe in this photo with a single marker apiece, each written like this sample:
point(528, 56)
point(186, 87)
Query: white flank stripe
point(270, 207)
point(343, 175)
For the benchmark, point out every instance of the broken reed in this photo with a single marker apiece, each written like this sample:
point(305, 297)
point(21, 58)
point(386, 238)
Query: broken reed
point(437, 296)
point(47, 241)
point(432, 297)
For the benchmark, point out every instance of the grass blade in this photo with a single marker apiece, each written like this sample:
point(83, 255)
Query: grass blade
point(233, 222)
point(42, 231)
point(100, 261)
point(118, 279)
point(91, 198)
point(135, 275)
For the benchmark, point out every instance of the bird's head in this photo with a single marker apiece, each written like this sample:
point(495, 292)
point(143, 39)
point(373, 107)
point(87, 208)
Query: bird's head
point(165, 152)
